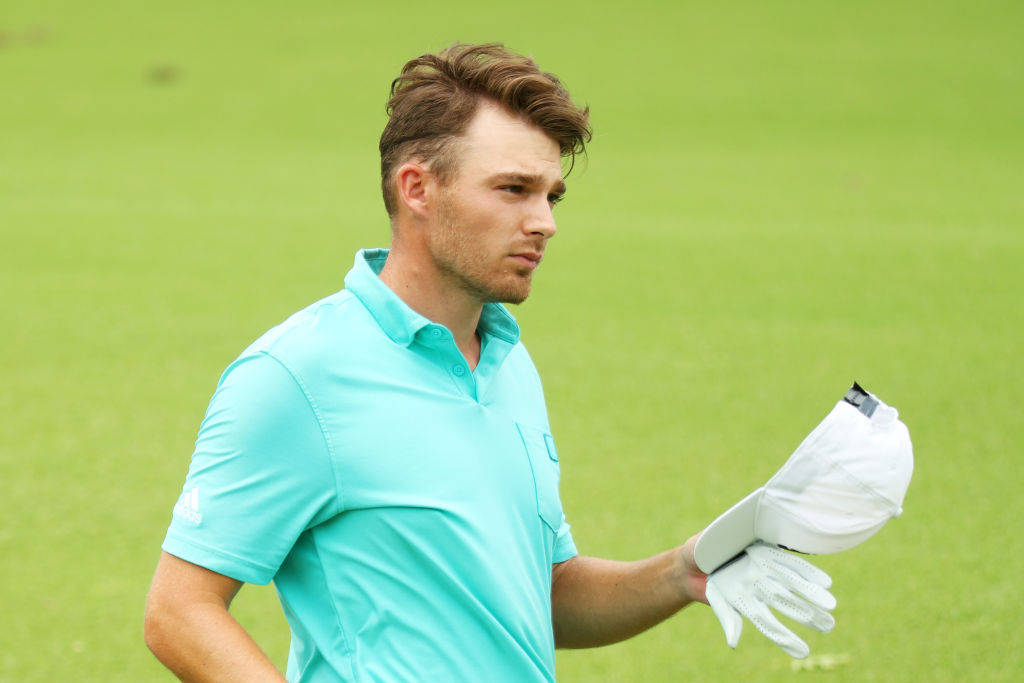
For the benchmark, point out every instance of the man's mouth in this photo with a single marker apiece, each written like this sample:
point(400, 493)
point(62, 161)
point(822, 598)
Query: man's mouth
point(529, 259)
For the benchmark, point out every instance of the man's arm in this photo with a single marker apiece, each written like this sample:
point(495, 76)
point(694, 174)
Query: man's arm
point(598, 602)
point(189, 629)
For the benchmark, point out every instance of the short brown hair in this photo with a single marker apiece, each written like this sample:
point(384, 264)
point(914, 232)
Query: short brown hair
point(436, 95)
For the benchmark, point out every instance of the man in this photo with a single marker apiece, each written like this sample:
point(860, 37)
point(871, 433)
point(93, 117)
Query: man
point(384, 456)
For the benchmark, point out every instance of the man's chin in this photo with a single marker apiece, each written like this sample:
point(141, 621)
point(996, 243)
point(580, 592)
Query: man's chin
point(508, 298)
point(518, 299)
point(511, 287)
point(510, 295)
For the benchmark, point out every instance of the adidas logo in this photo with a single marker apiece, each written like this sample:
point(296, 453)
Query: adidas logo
point(188, 506)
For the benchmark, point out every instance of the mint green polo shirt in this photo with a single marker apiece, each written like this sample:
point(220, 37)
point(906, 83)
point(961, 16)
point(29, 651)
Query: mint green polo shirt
point(405, 508)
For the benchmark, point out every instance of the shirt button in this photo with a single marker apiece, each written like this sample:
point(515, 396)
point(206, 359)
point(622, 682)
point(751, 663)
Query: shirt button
point(436, 332)
point(459, 370)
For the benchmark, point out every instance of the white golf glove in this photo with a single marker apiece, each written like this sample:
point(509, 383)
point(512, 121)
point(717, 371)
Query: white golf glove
point(765, 576)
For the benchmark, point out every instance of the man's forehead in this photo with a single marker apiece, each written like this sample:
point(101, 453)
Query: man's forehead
point(499, 142)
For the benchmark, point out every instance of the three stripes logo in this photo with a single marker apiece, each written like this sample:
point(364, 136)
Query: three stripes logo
point(188, 506)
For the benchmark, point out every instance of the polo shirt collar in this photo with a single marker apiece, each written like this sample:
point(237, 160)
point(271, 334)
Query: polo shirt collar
point(400, 322)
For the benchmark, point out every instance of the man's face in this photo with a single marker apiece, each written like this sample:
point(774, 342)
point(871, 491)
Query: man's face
point(494, 217)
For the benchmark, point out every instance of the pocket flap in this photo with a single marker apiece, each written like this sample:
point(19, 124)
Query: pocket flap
point(549, 441)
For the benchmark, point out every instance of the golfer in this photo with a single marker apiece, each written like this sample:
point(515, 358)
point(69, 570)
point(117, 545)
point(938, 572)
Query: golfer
point(384, 455)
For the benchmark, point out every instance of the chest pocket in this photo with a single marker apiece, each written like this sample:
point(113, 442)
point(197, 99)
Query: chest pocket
point(540, 447)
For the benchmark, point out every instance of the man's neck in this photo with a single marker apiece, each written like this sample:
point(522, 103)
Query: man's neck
point(429, 293)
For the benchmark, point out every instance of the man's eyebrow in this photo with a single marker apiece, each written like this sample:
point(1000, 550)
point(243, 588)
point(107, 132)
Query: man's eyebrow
point(526, 179)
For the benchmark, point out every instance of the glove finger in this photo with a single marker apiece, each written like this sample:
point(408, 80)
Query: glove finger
point(765, 622)
point(794, 606)
point(729, 618)
point(814, 592)
point(800, 566)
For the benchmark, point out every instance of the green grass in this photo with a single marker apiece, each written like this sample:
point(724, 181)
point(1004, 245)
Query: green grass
point(780, 198)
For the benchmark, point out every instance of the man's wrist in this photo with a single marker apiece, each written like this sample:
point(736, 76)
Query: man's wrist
point(691, 580)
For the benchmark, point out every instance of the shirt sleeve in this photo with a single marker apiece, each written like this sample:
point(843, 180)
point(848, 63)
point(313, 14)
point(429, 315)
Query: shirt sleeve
point(565, 547)
point(261, 474)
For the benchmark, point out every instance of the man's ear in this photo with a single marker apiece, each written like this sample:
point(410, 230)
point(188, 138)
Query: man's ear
point(412, 187)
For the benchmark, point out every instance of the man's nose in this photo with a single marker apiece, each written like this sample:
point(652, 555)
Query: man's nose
point(542, 220)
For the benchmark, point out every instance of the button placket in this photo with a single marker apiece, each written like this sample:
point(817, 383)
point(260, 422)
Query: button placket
point(440, 340)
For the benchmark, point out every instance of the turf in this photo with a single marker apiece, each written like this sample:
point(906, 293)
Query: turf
point(780, 198)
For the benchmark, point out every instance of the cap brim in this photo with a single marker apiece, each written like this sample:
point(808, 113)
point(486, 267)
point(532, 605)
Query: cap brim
point(727, 536)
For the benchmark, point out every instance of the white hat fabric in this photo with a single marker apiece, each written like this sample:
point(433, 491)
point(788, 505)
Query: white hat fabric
point(840, 486)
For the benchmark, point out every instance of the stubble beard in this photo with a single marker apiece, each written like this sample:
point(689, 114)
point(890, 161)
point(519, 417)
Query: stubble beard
point(457, 261)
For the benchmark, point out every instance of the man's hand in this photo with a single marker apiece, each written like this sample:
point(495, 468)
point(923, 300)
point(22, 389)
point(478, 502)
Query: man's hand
point(765, 576)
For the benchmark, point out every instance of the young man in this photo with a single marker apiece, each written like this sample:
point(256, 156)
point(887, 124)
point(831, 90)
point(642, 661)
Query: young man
point(384, 455)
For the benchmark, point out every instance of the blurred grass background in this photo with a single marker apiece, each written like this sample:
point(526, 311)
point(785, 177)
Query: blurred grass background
point(780, 198)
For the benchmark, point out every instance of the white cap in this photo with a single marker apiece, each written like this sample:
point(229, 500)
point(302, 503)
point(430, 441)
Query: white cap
point(840, 486)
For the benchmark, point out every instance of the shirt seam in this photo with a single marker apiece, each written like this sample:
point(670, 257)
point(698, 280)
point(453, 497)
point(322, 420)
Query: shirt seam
point(331, 454)
point(291, 327)
point(262, 568)
point(349, 650)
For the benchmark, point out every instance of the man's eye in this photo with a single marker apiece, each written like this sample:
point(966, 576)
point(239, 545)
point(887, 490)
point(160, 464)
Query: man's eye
point(514, 189)
point(555, 198)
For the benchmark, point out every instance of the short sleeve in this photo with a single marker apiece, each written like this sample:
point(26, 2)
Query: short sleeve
point(261, 474)
point(565, 547)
